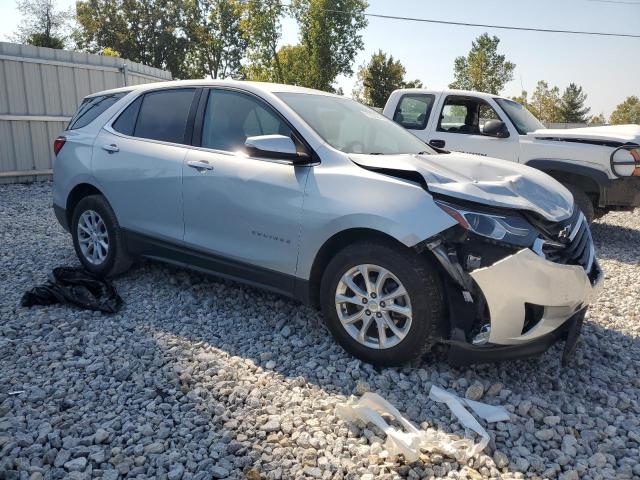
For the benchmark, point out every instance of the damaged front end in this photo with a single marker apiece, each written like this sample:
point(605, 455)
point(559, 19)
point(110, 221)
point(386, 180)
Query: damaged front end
point(515, 281)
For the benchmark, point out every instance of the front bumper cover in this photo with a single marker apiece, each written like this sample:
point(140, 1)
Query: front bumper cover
point(525, 277)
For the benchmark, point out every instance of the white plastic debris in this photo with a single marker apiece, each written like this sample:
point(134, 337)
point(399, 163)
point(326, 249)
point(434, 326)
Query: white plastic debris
point(410, 440)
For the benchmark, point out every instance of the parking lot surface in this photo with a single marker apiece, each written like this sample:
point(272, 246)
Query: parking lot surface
point(197, 378)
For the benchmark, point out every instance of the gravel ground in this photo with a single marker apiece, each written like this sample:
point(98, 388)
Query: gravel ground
point(197, 378)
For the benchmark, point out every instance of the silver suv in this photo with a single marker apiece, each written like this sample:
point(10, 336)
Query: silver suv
point(319, 198)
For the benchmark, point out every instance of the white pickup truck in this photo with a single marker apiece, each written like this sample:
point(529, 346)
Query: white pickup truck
point(599, 165)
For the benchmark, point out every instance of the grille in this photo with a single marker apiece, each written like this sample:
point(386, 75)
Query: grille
point(568, 242)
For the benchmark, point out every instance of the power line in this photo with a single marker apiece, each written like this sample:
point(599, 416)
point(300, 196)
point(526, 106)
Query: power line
point(616, 1)
point(503, 27)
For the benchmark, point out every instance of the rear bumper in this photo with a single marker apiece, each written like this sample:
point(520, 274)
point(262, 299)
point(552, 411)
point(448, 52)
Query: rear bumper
point(623, 192)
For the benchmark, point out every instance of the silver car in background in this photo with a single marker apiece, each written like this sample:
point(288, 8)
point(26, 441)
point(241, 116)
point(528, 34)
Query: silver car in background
point(319, 198)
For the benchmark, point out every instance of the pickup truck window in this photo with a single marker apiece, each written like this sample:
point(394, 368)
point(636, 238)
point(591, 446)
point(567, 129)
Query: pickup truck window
point(413, 111)
point(351, 127)
point(522, 118)
point(465, 115)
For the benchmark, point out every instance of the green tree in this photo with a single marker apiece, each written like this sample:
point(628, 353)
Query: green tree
point(145, 31)
point(627, 112)
point(599, 119)
point(572, 108)
point(292, 59)
point(379, 77)
point(545, 103)
point(42, 25)
point(216, 43)
point(522, 99)
point(483, 69)
point(262, 29)
point(330, 35)
point(110, 52)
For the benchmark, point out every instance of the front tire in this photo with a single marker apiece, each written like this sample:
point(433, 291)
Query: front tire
point(583, 201)
point(384, 304)
point(97, 238)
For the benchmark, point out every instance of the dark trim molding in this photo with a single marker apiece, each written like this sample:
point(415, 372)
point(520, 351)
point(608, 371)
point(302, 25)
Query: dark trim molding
point(61, 215)
point(146, 246)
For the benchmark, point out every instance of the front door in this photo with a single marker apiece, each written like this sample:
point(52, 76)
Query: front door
point(242, 211)
point(459, 128)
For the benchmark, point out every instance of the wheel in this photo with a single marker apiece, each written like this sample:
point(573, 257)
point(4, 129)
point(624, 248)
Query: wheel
point(583, 201)
point(383, 304)
point(97, 237)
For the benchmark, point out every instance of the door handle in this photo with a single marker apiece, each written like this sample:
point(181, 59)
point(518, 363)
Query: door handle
point(113, 148)
point(200, 165)
point(437, 143)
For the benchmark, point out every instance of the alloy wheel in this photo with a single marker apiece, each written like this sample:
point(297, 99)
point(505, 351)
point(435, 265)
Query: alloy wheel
point(93, 237)
point(373, 306)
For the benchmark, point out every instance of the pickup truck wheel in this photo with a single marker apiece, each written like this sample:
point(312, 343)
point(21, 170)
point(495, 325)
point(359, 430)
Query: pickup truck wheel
point(583, 201)
point(383, 304)
point(97, 238)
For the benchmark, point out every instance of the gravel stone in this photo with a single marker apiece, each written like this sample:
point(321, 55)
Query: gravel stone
point(500, 459)
point(475, 391)
point(178, 383)
point(76, 465)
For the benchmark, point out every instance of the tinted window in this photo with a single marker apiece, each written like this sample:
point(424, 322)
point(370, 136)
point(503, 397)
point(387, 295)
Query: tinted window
point(231, 117)
point(126, 122)
point(163, 115)
point(91, 108)
point(413, 111)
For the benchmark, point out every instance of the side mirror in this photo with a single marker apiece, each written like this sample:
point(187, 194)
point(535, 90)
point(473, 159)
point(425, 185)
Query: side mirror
point(495, 128)
point(279, 147)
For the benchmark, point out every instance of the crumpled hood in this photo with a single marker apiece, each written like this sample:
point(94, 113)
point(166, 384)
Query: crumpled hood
point(609, 133)
point(493, 182)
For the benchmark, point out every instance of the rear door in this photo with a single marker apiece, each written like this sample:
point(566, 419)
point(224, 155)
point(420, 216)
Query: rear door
point(458, 126)
point(138, 161)
point(243, 211)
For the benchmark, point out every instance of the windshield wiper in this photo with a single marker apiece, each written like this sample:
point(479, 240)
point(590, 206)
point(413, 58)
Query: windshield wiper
point(375, 153)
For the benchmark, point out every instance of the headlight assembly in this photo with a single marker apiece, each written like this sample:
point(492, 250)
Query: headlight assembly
point(505, 228)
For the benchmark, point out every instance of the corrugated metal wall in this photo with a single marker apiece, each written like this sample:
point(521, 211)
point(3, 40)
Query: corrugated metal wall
point(40, 89)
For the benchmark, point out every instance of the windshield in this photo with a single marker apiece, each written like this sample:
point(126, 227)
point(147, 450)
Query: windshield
point(522, 118)
point(351, 127)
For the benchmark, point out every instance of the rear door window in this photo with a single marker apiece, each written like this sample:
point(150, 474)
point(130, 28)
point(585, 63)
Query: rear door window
point(413, 111)
point(91, 108)
point(163, 115)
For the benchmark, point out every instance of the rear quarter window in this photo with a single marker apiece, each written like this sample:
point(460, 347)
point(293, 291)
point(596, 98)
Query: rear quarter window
point(91, 108)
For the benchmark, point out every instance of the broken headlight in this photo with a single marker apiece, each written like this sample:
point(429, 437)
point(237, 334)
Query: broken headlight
point(508, 228)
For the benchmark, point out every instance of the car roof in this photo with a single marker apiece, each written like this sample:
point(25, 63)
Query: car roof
point(450, 92)
point(256, 87)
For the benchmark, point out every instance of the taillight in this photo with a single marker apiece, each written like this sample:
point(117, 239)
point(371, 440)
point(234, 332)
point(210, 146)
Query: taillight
point(58, 143)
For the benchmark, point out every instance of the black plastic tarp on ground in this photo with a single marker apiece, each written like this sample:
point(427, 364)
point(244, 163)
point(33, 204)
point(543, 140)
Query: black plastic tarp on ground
point(75, 286)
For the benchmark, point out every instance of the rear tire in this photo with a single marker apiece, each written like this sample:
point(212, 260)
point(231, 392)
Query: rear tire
point(583, 201)
point(97, 238)
point(397, 330)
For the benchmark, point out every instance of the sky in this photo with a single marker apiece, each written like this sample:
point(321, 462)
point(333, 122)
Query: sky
point(607, 68)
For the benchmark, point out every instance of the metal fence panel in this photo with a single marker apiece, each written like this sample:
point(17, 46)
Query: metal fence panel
point(40, 89)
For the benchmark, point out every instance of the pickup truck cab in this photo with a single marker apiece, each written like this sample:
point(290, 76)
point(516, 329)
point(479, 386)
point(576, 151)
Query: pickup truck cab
point(599, 165)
